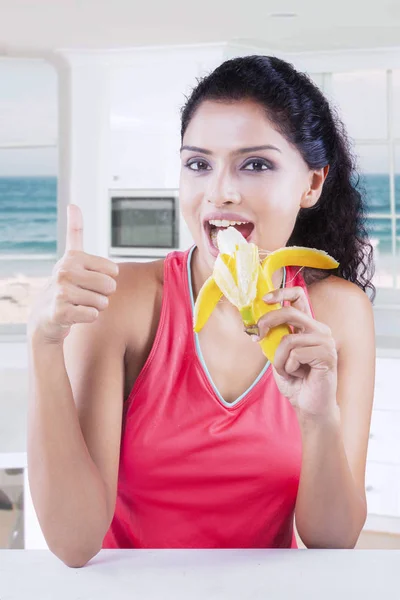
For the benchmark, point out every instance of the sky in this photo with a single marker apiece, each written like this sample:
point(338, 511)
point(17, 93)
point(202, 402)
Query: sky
point(28, 115)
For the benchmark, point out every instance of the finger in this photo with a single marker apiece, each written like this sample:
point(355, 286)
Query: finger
point(289, 353)
point(293, 341)
point(310, 357)
point(87, 280)
point(290, 316)
point(89, 262)
point(100, 265)
point(295, 295)
point(75, 296)
point(68, 314)
point(74, 228)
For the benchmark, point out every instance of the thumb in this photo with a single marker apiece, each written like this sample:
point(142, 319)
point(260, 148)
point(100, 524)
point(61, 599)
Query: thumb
point(74, 228)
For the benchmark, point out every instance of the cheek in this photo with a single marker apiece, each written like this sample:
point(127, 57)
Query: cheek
point(185, 195)
point(190, 206)
point(285, 193)
point(277, 210)
point(186, 208)
point(276, 196)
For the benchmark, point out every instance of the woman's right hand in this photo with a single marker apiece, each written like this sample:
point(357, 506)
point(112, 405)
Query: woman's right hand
point(78, 289)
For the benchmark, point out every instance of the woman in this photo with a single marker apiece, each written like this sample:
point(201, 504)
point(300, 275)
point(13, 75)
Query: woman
point(143, 435)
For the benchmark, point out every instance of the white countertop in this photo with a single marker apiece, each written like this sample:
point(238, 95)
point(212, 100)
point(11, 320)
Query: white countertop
point(203, 575)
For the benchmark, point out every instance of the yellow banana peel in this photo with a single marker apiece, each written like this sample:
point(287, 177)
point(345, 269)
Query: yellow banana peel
point(240, 276)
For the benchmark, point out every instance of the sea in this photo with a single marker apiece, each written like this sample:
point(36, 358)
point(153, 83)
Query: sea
point(28, 220)
point(28, 225)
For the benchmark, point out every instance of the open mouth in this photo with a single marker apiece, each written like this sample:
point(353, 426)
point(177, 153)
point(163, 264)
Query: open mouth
point(213, 226)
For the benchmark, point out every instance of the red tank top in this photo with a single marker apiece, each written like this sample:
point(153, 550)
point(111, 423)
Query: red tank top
point(195, 471)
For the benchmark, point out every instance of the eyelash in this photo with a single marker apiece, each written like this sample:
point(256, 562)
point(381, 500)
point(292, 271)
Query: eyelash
point(253, 161)
point(196, 161)
point(259, 161)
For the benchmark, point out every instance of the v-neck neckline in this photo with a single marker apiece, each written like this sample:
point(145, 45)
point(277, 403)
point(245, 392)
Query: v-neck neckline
point(199, 353)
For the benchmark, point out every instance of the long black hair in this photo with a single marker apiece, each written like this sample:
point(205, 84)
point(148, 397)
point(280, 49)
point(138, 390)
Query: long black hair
point(299, 110)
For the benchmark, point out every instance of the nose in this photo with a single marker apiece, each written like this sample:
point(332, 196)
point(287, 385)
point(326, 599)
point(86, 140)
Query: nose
point(222, 191)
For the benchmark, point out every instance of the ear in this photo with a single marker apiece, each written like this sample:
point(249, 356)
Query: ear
point(312, 195)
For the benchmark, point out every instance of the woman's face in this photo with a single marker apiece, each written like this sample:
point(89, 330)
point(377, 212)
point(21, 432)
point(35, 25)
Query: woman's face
point(238, 169)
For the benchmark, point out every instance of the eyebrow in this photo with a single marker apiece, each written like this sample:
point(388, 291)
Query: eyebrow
point(240, 151)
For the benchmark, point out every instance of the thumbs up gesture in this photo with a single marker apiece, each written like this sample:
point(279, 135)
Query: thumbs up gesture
point(74, 229)
point(78, 289)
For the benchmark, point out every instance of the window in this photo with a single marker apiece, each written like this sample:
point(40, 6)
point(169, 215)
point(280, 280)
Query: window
point(369, 105)
point(28, 185)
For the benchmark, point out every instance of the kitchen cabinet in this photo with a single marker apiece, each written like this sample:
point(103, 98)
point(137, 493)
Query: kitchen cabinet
point(384, 437)
point(383, 461)
point(146, 96)
point(383, 489)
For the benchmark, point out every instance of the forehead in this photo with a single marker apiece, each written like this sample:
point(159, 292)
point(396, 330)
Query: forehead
point(236, 124)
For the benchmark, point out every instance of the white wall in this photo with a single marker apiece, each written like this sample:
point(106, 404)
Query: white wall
point(119, 118)
point(119, 127)
point(146, 94)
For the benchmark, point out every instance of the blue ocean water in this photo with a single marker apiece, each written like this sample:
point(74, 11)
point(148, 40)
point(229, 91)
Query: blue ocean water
point(28, 213)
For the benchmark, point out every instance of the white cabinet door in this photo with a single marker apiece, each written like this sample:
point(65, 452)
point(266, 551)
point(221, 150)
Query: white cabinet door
point(146, 99)
point(384, 437)
point(147, 93)
point(383, 489)
point(387, 384)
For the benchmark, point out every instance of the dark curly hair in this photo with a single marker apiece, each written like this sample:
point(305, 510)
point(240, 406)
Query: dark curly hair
point(299, 110)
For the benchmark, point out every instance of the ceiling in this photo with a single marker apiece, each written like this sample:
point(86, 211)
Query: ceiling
point(36, 25)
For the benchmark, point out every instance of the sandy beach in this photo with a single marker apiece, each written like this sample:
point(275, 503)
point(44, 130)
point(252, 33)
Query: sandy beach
point(20, 280)
point(16, 296)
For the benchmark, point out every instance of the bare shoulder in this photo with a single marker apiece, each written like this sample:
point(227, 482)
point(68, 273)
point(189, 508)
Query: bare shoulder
point(343, 306)
point(138, 294)
point(138, 304)
point(131, 309)
point(137, 280)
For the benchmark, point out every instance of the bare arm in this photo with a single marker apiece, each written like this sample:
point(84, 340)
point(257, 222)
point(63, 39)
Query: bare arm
point(326, 369)
point(331, 505)
point(73, 464)
point(76, 352)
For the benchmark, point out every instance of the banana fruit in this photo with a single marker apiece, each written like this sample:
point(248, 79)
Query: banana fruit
point(240, 276)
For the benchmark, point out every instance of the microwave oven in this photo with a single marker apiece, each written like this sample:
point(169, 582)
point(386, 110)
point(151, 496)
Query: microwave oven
point(144, 223)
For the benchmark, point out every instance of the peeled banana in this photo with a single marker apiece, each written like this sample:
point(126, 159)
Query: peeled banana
point(240, 276)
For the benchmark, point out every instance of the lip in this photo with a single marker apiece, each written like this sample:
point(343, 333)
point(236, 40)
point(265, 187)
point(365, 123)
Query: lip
point(228, 216)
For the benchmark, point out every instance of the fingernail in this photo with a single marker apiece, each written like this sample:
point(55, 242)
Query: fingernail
point(268, 297)
point(251, 330)
point(255, 338)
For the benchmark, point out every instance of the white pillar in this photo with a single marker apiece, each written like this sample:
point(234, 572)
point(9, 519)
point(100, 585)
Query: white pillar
point(84, 115)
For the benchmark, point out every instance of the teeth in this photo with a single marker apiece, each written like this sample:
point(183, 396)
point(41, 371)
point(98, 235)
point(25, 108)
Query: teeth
point(225, 223)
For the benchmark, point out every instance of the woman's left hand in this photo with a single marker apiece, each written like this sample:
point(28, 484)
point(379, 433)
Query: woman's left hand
point(305, 363)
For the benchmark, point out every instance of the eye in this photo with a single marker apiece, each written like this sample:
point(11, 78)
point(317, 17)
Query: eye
point(256, 165)
point(198, 165)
